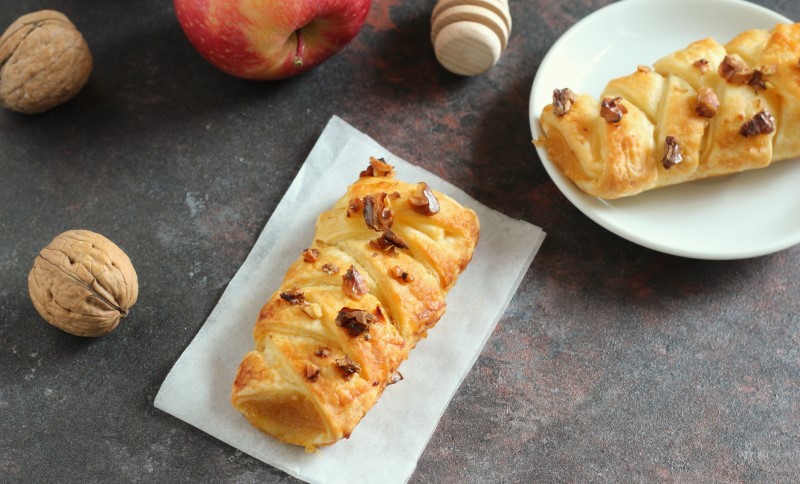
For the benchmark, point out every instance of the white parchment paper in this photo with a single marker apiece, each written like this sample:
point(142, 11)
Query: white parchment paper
point(385, 446)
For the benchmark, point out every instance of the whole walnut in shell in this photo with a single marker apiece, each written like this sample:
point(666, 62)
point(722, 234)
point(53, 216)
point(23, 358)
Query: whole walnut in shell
point(44, 62)
point(83, 283)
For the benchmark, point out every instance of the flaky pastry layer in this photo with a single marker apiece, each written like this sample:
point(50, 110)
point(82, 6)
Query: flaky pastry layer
point(754, 79)
point(351, 307)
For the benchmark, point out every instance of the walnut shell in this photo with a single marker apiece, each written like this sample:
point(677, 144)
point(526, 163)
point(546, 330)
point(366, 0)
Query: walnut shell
point(44, 62)
point(83, 283)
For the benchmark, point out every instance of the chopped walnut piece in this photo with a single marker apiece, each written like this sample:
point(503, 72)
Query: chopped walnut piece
point(378, 314)
point(347, 366)
point(378, 168)
point(330, 268)
point(734, 70)
point(701, 65)
point(313, 310)
point(355, 321)
point(353, 283)
point(757, 81)
point(383, 244)
point(423, 200)
point(395, 240)
point(402, 275)
point(643, 68)
point(759, 77)
point(312, 372)
point(387, 248)
point(707, 102)
point(672, 153)
point(761, 123)
point(323, 352)
point(354, 206)
point(395, 377)
point(612, 109)
point(310, 255)
point(394, 195)
point(377, 211)
point(387, 241)
point(293, 295)
point(563, 99)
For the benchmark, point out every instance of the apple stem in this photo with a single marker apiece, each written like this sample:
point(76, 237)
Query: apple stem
point(298, 56)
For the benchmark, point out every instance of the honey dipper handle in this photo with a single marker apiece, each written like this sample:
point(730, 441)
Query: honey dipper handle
point(469, 36)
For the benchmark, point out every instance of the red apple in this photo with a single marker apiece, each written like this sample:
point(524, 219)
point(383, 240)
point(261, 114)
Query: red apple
point(270, 39)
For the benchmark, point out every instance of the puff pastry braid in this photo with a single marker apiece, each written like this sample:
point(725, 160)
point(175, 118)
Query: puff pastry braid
point(703, 111)
point(352, 306)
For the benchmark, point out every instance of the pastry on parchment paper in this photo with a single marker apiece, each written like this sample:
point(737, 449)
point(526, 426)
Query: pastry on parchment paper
point(352, 306)
point(703, 111)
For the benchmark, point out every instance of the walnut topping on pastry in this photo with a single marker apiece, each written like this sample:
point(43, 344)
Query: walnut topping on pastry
point(402, 275)
point(379, 168)
point(312, 372)
point(672, 153)
point(353, 283)
point(643, 69)
point(381, 244)
point(395, 240)
point(734, 70)
point(354, 206)
point(322, 352)
point(388, 241)
point(612, 110)
point(701, 65)
point(757, 81)
point(379, 314)
point(355, 321)
point(294, 296)
point(347, 366)
point(707, 102)
point(395, 377)
point(423, 200)
point(330, 268)
point(761, 123)
point(310, 255)
point(759, 77)
point(377, 211)
point(563, 99)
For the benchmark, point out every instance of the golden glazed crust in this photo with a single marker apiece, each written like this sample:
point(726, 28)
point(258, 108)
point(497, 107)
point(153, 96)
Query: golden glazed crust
point(612, 160)
point(293, 386)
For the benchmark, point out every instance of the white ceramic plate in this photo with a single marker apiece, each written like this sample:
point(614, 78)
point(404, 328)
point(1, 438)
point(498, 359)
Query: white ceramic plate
point(744, 215)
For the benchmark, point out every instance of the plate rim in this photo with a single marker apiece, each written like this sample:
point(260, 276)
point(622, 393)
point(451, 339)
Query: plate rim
point(589, 205)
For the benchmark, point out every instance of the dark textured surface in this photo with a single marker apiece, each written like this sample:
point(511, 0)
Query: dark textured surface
point(612, 363)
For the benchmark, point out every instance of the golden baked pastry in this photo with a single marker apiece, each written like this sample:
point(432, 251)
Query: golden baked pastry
point(352, 306)
point(703, 111)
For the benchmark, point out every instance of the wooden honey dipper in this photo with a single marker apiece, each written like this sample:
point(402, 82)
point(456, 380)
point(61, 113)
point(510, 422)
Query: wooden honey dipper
point(469, 36)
